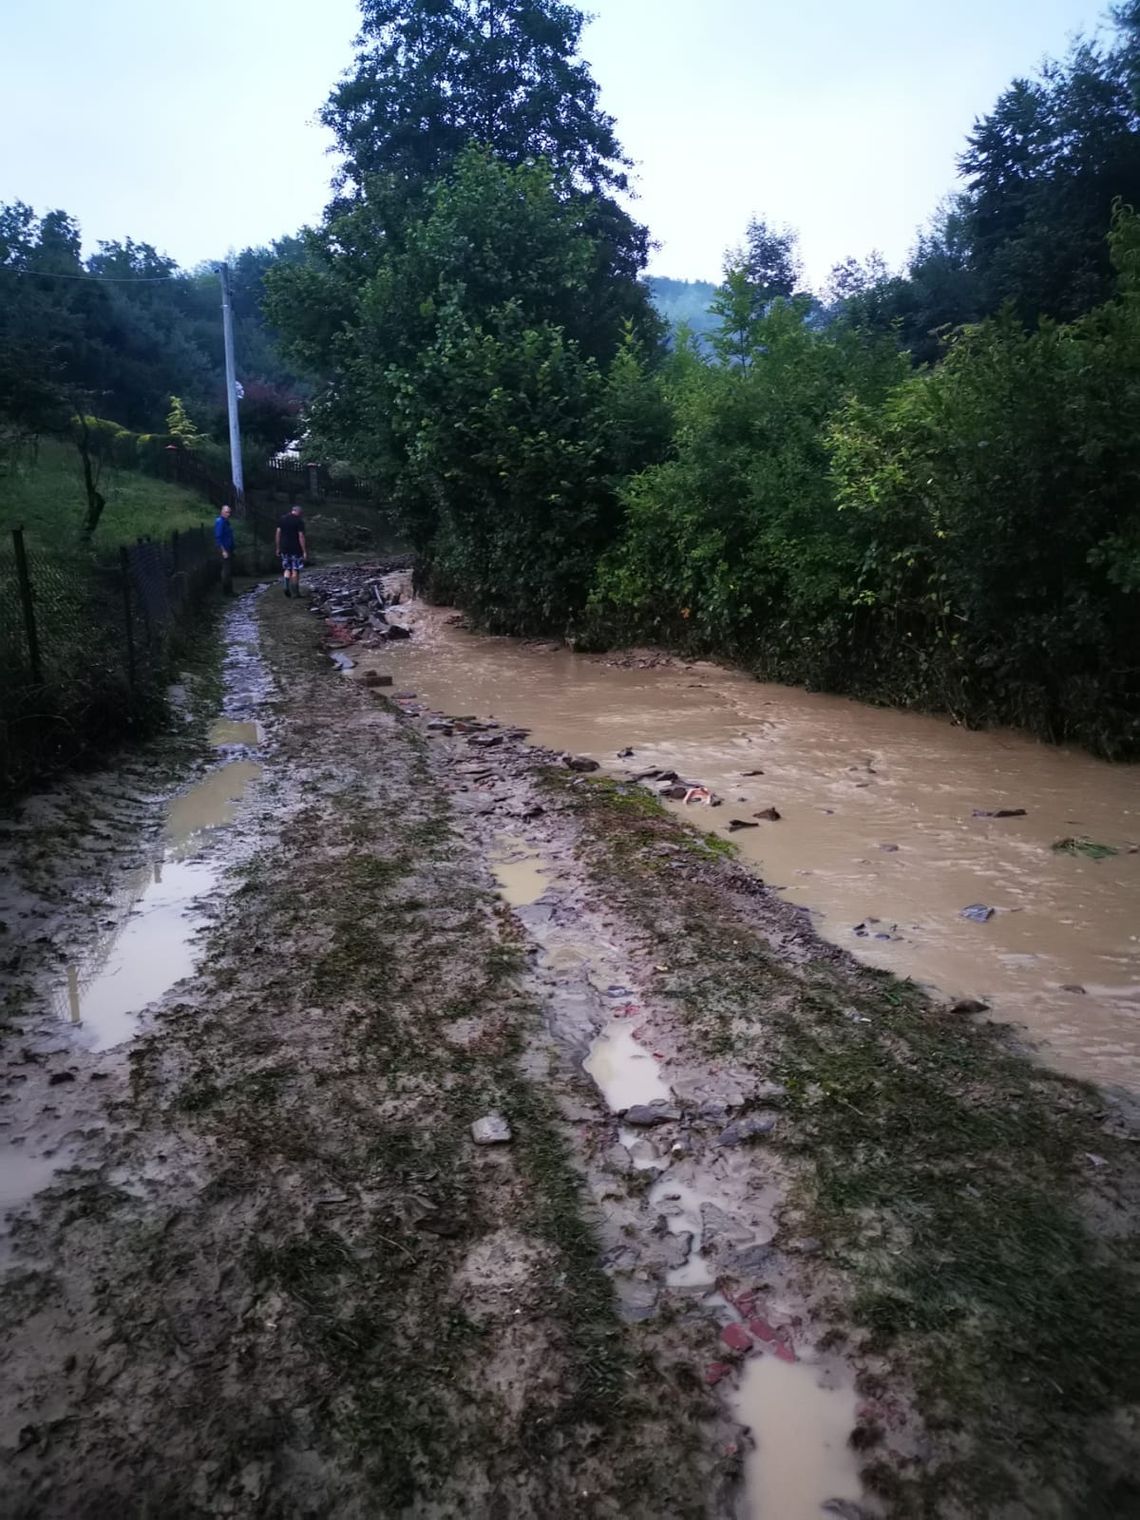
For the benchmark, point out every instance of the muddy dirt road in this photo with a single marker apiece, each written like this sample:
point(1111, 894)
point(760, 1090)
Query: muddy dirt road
point(771, 1235)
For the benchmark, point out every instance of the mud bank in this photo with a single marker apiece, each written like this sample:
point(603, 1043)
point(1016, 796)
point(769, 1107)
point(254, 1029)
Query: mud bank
point(772, 1236)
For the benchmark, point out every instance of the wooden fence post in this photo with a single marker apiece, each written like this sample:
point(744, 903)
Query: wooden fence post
point(125, 568)
point(26, 601)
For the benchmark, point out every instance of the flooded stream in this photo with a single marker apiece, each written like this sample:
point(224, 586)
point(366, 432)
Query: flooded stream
point(877, 834)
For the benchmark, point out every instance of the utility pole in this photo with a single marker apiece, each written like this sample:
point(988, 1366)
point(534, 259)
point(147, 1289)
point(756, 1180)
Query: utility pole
point(231, 388)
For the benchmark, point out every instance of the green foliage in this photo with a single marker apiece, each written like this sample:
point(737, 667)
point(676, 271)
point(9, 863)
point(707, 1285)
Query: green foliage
point(180, 426)
point(964, 539)
point(119, 331)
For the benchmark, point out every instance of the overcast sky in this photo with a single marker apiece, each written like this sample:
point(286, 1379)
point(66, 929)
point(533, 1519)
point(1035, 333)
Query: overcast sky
point(193, 128)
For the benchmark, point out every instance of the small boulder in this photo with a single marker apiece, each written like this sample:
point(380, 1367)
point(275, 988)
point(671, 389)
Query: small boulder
point(394, 632)
point(999, 812)
point(750, 1127)
point(581, 763)
point(969, 1005)
point(773, 815)
point(373, 679)
point(736, 824)
point(492, 1129)
point(978, 913)
point(645, 1115)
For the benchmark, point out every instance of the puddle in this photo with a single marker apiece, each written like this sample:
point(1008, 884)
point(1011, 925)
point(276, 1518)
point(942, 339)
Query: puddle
point(522, 877)
point(22, 1175)
point(878, 821)
point(149, 943)
point(208, 805)
point(624, 1071)
point(801, 1458)
point(228, 733)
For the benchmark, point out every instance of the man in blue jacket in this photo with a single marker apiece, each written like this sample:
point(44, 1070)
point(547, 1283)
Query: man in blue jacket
point(224, 538)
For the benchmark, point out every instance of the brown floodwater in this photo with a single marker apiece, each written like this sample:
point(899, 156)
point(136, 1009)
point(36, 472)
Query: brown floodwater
point(877, 833)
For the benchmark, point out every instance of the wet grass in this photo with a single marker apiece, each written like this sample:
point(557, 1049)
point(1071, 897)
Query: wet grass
point(981, 1209)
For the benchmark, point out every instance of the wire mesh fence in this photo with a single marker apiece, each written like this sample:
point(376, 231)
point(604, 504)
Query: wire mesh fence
point(85, 642)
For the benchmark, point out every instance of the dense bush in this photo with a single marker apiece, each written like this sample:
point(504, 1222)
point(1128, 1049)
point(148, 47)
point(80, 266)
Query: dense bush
point(966, 539)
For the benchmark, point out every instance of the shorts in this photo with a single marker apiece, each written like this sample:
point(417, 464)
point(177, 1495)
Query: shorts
point(292, 562)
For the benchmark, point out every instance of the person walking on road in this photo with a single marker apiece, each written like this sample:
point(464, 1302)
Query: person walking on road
point(224, 538)
point(291, 548)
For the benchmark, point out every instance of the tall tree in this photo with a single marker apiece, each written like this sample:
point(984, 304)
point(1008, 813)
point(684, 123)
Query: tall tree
point(433, 76)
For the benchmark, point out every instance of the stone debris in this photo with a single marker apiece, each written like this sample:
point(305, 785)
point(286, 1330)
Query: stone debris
point(978, 913)
point(492, 1129)
point(999, 812)
point(772, 815)
point(645, 1115)
point(750, 1127)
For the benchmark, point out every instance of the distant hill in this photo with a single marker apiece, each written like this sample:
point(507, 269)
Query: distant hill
point(683, 301)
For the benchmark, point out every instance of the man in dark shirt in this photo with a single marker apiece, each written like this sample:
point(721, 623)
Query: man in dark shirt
point(291, 548)
point(224, 538)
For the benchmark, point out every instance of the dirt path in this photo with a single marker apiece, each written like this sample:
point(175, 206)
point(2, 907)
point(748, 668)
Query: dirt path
point(279, 1277)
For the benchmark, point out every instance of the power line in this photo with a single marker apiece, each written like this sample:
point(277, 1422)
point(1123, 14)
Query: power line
point(102, 279)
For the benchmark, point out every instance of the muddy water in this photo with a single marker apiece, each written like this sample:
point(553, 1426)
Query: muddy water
point(150, 938)
point(800, 1427)
point(877, 834)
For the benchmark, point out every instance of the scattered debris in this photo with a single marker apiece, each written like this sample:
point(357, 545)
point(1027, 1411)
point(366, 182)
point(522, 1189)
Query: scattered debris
point(698, 794)
point(978, 913)
point(736, 824)
point(373, 678)
point(581, 763)
point(1073, 987)
point(999, 812)
point(889, 849)
point(773, 815)
point(969, 1005)
point(1082, 845)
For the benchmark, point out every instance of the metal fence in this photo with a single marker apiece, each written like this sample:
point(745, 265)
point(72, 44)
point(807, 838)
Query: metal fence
point(84, 644)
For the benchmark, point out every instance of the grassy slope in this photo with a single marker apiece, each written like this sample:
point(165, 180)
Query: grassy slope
point(46, 496)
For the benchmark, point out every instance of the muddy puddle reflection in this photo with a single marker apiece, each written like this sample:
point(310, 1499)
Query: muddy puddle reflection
point(800, 1458)
point(877, 834)
point(522, 876)
point(148, 943)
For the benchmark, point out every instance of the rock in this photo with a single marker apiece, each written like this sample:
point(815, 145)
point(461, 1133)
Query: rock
point(57, 1078)
point(649, 775)
point(1072, 987)
point(717, 1225)
point(736, 824)
point(675, 793)
point(773, 815)
point(889, 849)
point(750, 1261)
point(999, 813)
point(750, 1127)
point(977, 913)
point(636, 1298)
point(394, 631)
point(677, 1249)
point(492, 1129)
point(618, 1159)
point(624, 754)
point(485, 741)
point(969, 1005)
point(668, 776)
point(373, 678)
point(645, 1115)
point(581, 763)
point(844, 1509)
point(751, 773)
point(769, 1092)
